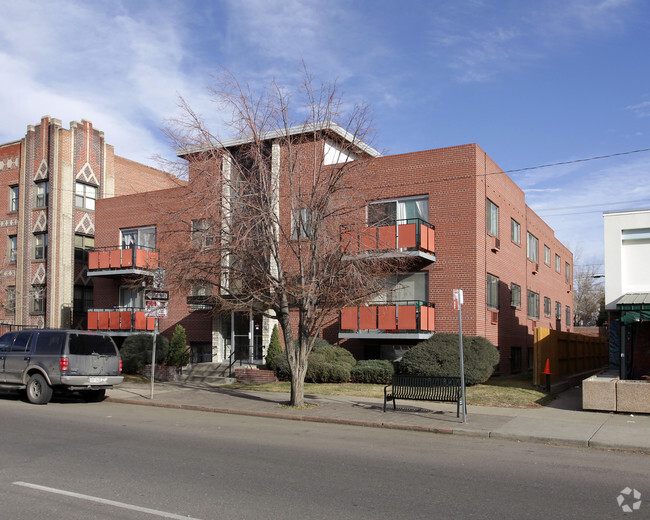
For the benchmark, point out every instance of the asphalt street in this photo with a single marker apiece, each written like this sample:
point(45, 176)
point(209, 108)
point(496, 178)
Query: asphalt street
point(76, 460)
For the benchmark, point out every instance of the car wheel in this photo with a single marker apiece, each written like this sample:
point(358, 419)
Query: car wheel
point(38, 391)
point(94, 396)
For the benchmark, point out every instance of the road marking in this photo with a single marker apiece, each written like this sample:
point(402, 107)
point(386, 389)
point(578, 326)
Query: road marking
point(163, 514)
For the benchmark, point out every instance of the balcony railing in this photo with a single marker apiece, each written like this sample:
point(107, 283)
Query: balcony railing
point(120, 320)
point(412, 235)
point(402, 319)
point(116, 260)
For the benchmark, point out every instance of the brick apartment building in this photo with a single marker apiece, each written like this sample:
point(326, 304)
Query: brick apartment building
point(52, 179)
point(463, 221)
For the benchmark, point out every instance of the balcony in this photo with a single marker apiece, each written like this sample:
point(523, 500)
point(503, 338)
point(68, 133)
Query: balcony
point(394, 320)
point(409, 237)
point(120, 321)
point(115, 261)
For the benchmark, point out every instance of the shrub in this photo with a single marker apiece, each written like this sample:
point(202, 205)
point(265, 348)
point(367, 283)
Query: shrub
point(439, 356)
point(327, 364)
point(275, 348)
point(178, 355)
point(374, 371)
point(136, 352)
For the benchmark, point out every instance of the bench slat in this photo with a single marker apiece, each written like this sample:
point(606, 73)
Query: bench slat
point(424, 388)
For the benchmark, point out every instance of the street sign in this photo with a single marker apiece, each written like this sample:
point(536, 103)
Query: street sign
point(458, 299)
point(156, 295)
point(155, 309)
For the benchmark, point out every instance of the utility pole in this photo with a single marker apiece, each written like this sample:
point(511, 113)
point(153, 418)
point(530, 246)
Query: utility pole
point(458, 304)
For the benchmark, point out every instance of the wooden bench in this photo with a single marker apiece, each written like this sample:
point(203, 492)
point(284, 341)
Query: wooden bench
point(424, 388)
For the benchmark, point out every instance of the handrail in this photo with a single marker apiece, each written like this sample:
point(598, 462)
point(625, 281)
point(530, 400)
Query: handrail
point(232, 360)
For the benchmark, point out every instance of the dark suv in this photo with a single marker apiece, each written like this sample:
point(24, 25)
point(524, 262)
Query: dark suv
point(41, 361)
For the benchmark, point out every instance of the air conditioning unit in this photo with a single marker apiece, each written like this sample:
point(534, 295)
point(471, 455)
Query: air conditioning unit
point(496, 244)
point(494, 317)
point(535, 268)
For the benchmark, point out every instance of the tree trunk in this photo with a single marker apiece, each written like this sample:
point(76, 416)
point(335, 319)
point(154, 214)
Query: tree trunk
point(298, 385)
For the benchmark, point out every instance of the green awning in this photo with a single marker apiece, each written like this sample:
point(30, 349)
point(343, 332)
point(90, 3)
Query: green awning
point(634, 307)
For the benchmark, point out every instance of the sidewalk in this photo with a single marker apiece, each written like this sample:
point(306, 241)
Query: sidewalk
point(562, 422)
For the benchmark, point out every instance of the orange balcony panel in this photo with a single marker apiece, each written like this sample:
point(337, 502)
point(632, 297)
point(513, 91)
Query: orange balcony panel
point(431, 241)
point(369, 239)
point(125, 320)
point(115, 258)
point(151, 323)
point(432, 319)
point(387, 320)
point(153, 260)
point(127, 258)
point(140, 258)
point(407, 235)
point(367, 318)
point(114, 320)
point(427, 318)
point(349, 318)
point(93, 260)
point(102, 320)
point(92, 320)
point(104, 262)
point(140, 321)
point(406, 318)
point(387, 237)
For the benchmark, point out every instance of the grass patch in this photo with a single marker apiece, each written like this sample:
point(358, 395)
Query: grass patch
point(509, 391)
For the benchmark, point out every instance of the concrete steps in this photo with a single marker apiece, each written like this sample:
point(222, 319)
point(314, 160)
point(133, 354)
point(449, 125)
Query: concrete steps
point(213, 374)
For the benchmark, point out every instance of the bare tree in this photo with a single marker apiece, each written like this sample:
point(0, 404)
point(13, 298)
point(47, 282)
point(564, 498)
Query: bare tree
point(266, 209)
point(588, 292)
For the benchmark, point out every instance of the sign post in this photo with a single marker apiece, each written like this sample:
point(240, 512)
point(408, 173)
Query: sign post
point(156, 307)
point(458, 304)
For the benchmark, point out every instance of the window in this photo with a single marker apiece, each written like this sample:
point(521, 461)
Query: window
point(532, 246)
point(567, 311)
point(515, 359)
point(515, 231)
point(492, 291)
point(567, 272)
point(411, 287)
point(558, 264)
point(300, 223)
point(390, 212)
point(10, 299)
point(547, 306)
point(40, 246)
point(131, 298)
point(13, 249)
point(547, 255)
point(202, 233)
point(83, 243)
point(85, 196)
point(140, 238)
point(201, 289)
point(515, 296)
point(558, 311)
point(38, 299)
point(533, 305)
point(492, 217)
point(42, 193)
point(83, 298)
point(13, 199)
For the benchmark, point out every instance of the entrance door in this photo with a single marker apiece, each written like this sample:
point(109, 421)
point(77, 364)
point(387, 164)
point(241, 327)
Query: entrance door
point(247, 336)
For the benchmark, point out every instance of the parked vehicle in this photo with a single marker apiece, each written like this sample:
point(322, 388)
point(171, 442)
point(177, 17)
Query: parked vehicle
point(41, 361)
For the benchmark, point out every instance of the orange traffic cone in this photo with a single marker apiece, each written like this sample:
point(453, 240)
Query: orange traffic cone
point(547, 368)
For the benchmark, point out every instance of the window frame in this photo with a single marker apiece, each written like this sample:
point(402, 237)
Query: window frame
point(532, 311)
point(84, 196)
point(40, 246)
point(201, 232)
point(14, 195)
point(491, 218)
point(13, 249)
point(515, 231)
point(547, 307)
point(300, 224)
point(567, 316)
point(547, 255)
point(558, 310)
point(84, 301)
point(492, 291)
point(41, 198)
point(515, 301)
point(558, 264)
point(38, 305)
point(10, 299)
point(532, 253)
point(567, 272)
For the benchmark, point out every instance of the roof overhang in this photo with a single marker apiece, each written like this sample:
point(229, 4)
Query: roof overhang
point(634, 307)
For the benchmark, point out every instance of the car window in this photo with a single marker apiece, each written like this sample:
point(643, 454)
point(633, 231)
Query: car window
point(21, 343)
point(6, 340)
point(50, 343)
point(87, 344)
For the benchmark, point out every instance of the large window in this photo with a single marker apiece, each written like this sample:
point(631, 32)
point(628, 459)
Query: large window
point(515, 295)
point(532, 248)
point(558, 264)
point(411, 287)
point(13, 249)
point(42, 194)
point(131, 297)
point(40, 246)
point(547, 255)
point(38, 299)
point(533, 305)
point(547, 306)
point(83, 298)
point(567, 272)
point(390, 212)
point(13, 199)
point(492, 291)
point(85, 196)
point(515, 231)
point(140, 238)
point(492, 217)
point(83, 243)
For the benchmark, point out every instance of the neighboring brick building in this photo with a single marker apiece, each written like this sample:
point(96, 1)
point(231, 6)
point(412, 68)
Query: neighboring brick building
point(52, 178)
point(514, 273)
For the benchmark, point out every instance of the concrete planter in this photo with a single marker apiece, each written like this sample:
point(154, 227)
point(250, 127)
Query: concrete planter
point(610, 394)
point(633, 396)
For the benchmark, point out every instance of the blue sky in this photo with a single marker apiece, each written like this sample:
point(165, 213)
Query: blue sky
point(532, 83)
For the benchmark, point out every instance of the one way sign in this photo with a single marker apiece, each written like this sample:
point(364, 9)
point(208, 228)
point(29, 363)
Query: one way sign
point(156, 295)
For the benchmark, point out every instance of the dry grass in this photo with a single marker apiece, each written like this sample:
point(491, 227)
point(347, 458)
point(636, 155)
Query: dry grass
point(511, 391)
